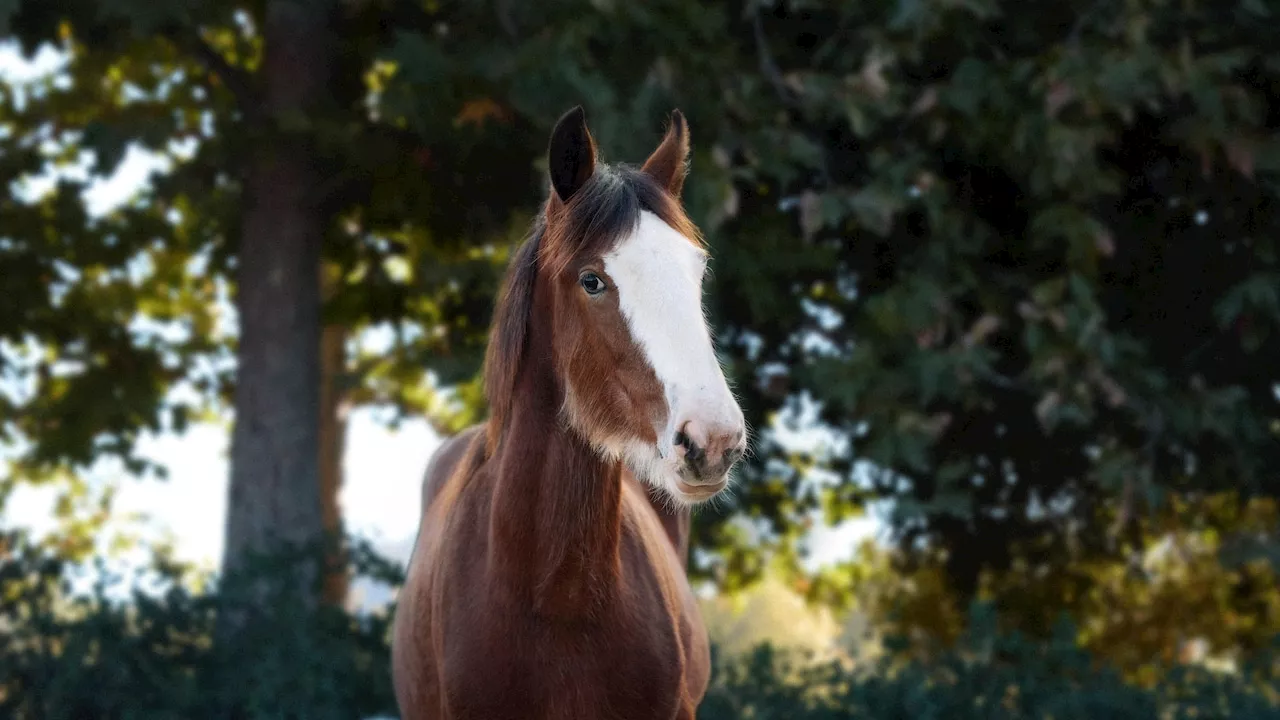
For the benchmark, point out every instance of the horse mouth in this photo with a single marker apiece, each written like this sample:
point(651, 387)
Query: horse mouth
point(702, 492)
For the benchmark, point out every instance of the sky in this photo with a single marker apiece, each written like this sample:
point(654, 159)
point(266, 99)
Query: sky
point(383, 467)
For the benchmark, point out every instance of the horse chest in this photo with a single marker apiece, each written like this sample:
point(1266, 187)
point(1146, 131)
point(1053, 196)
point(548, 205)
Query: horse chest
point(628, 664)
point(590, 675)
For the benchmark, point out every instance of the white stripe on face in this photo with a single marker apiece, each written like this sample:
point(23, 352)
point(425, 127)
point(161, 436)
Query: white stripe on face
point(658, 275)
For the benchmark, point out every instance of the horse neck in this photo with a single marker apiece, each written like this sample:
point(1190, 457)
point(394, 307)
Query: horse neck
point(556, 519)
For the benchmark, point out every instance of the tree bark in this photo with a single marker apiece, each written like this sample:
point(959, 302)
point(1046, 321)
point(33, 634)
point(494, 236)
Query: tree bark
point(274, 495)
point(333, 434)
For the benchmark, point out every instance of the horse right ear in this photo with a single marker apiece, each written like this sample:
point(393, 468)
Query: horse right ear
point(669, 163)
point(571, 156)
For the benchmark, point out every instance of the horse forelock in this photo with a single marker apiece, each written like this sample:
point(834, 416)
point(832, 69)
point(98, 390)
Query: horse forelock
point(606, 210)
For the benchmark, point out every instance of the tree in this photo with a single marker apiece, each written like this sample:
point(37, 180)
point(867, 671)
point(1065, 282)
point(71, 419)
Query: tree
point(1021, 261)
point(948, 238)
point(1171, 598)
point(419, 168)
point(276, 162)
point(275, 451)
point(952, 238)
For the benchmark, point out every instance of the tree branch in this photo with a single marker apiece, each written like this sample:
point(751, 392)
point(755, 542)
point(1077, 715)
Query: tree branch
point(768, 66)
point(237, 80)
point(1154, 421)
point(503, 10)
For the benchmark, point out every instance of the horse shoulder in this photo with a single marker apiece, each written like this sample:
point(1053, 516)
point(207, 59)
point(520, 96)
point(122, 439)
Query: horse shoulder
point(444, 461)
point(416, 637)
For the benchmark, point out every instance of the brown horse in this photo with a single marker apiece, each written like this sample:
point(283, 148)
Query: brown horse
point(548, 579)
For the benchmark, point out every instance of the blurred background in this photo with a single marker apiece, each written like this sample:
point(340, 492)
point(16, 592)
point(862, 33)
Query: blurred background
point(997, 283)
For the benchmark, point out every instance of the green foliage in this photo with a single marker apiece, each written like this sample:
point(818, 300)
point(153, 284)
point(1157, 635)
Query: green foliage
point(989, 675)
point(1177, 589)
point(105, 314)
point(1017, 262)
point(1021, 262)
point(1038, 231)
point(130, 652)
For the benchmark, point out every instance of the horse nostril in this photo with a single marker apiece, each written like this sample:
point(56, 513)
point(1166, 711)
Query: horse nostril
point(681, 439)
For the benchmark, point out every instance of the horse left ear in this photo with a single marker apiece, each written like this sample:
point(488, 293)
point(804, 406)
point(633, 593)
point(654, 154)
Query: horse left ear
point(670, 162)
point(571, 156)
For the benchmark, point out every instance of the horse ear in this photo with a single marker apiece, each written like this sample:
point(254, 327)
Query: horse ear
point(571, 156)
point(669, 163)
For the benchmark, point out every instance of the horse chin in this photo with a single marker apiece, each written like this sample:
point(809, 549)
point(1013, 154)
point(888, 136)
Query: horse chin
point(687, 494)
point(658, 469)
point(661, 472)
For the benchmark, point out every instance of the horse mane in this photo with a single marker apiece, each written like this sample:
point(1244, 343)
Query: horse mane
point(509, 331)
point(599, 214)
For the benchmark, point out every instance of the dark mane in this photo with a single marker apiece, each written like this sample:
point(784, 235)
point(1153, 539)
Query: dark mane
point(602, 212)
point(507, 333)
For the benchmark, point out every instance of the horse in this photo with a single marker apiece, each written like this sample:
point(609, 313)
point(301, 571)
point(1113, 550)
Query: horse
point(548, 579)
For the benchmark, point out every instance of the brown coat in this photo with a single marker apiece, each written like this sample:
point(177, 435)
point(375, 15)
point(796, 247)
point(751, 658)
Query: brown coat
point(546, 582)
point(625, 641)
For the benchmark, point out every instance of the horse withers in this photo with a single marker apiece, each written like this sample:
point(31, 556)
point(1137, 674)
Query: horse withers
point(548, 579)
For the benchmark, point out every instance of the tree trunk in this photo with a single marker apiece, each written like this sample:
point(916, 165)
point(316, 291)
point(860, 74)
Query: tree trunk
point(333, 434)
point(274, 496)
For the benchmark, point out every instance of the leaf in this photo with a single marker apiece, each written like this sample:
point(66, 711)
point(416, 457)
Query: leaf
point(1046, 408)
point(1059, 95)
point(933, 372)
point(477, 111)
point(1259, 292)
point(907, 12)
point(1105, 242)
point(968, 87)
point(875, 209)
point(927, 100)
point(957, 504)
point(811, 215)
point(1256, 7)
point(180, 418)
point(108, 142)
point(981, 329)
point(8, 8)
point(1240, 155)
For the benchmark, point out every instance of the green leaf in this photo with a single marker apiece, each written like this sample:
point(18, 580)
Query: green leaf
point(109, 143)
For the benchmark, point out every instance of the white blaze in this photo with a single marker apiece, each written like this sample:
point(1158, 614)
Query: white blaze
point(658, 276)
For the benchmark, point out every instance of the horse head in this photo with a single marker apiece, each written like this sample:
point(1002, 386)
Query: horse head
point(614, 274)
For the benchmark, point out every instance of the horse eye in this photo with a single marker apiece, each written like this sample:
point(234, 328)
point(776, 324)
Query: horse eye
point(592, 283)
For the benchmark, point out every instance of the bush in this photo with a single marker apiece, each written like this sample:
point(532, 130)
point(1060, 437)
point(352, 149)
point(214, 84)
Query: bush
point(150, 657)
point(988, 675)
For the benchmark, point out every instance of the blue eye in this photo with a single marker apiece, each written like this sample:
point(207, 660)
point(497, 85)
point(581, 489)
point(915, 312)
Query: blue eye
point(592, 283)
